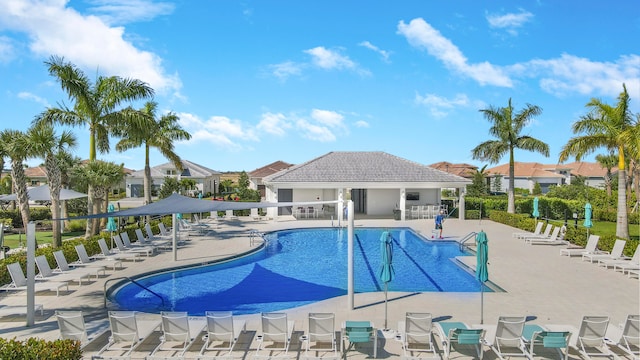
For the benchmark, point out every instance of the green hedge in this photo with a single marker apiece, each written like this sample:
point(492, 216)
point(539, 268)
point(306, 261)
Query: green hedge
point(35, 349)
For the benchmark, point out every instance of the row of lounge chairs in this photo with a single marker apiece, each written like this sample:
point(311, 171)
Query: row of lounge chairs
point(220, 331)
point(614, 259)
point(58, 278)
point(550, 235)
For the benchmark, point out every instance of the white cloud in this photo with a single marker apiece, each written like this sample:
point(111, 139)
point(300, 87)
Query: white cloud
point(29, 96)
point(329, 59)
point(86, 41)
point(218, 130)
point(126, 11)
point(370, 46)
point(440, 106)
point(275, 124)
point(571, 74)
point(6, 49)
point(286, 69)
point(315, 132)
point(509, 21)
point(361, 124)
point(422, 35)
point(328, 118)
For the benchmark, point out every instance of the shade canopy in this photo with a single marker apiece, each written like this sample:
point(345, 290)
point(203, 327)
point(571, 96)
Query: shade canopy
point(587, 216)
point(42, 193)
point(536, 212)
point(482, 254)
point(176, 203)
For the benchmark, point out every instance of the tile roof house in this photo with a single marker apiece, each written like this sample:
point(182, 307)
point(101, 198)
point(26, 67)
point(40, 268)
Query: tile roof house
point(256, 176)
point(526, 174)
point(376, 181)
point(464, 170)
point(207, 180)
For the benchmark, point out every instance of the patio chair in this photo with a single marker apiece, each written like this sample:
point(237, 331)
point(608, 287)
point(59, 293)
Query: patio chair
point(623, 262)
point(591, 248)
point(551, 239)
point(536, 337)
point(459, 333)
point(277, 330)
point(523, 234)
point(19, 281)
point(138, 245)
point(358, 332)
point(84, 258)
point(591, 337)
point(508, 340)
point(72, 327)
point(320, 340)
point(416, 335)
point(122, 249)
point(616, 253)
point(125, 335)
point(223, 332)
point(415, 212)
point(108, 254)
point(176, 335)
point(151, 236)
point(545, 234)
point(629, 341)
point(63, 265)
point(46, 273)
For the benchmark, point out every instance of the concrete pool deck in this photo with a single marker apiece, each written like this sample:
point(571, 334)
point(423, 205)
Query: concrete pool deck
point(538, 283)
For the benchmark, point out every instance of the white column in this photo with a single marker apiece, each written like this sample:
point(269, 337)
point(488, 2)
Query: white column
point(31, 272)
point(350, 279)
point(461, 206)
point(403, 203)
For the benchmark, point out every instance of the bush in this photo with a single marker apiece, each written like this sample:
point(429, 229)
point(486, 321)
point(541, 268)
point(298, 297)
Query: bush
point(34, 348)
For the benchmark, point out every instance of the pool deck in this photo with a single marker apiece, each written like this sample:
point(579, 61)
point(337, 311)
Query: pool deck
point(539, 283)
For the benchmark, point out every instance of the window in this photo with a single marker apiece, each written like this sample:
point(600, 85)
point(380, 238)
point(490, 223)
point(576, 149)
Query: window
point(413, 196)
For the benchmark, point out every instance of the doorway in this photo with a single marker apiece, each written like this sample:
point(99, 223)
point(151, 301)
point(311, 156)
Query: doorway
point(359, 197)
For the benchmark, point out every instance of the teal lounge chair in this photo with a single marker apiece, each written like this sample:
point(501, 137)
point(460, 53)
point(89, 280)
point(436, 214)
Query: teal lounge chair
point(536, 336)
point(356, 332)
point(459, 333)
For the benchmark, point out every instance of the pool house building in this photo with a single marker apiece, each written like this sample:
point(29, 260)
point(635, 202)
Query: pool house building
point(378, 183)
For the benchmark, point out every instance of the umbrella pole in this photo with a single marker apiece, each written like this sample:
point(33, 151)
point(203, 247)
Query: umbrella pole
point(481, 303)
point(385, 306)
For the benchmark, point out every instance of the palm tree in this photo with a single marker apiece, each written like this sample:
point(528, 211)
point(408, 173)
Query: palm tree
point(603, 126)
point(506, 128)
point(96, 106)
point(13, 145)
point(44, 143)
point(631, 137)
point(154, 133)
point(608, 162)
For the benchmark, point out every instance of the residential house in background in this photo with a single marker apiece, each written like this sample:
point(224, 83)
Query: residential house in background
point(207, 180)
point(256, 176)
point(527, 174)
point(462, 170)
point(36, 176)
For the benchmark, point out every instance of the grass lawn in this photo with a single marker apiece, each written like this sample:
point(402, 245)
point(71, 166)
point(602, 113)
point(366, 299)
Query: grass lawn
point(604, 228)
point(42, 237)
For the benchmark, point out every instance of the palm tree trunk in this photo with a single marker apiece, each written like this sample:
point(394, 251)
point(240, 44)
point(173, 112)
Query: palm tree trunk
point(622, 224)
point(511, 203)
point(89, 229)
point(20, 183)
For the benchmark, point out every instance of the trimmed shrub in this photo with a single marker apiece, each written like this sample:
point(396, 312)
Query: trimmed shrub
point(34, 348)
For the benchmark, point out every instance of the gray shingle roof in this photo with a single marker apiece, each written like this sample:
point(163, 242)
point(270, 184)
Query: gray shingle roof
point(362, 166)
point(191, 169)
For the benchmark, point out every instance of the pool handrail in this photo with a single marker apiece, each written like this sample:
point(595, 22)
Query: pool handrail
point(466, 238)
point(132, 281)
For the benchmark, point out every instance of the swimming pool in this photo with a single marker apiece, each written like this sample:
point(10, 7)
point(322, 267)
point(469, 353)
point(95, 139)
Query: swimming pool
point(299, 267)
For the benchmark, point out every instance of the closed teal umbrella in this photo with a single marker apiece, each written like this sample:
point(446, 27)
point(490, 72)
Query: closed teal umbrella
point(482, 271)
point(536, 212)
point(587, 218)
point(386, 268)
point(111, 223)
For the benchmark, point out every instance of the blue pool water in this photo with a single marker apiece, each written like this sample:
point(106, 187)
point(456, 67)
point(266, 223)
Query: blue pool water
point(299, 267)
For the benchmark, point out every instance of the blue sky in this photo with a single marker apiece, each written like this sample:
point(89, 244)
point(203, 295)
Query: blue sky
point(260, 81)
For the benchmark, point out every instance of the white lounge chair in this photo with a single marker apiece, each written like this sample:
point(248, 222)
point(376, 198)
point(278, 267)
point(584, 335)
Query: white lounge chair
point(108, 254)
point(46, 273)
point(616, 253)
point(523, 234)
point(137, 245)
point(151, 237)
point(223, 332)
point(459, 333)
point(591, 337)
point(629, 340)
point(64, 266)
point(84, 258)
point(551, 239)
point(415, 333)
point(506, 336)
point(320, 340)
point(122, 249)
point(125, 334)
point(176, 337)
point(276, 330)
point(537, 337)
point(158, 244)
point(628, 265)
point(72, 327)
point(591, 248)
point(545, 234)
point(19, 281)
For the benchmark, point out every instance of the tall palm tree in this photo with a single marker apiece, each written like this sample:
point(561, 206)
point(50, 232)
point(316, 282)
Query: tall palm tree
point(158, 133)
point(43, 142)
point(631, 138)
point(506, 128)
point(13, 145)
point(608, 162)
point(96, 106)
point(603, 127)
